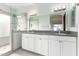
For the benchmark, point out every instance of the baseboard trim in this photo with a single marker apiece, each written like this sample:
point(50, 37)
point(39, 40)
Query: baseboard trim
point(4, 45)
point(10, 52)
point(7, 53)
point(32, 52)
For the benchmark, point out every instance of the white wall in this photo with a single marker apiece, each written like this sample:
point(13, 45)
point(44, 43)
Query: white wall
point(4, 40)
point(4, 29)
point(77, 24)
point(4, 25)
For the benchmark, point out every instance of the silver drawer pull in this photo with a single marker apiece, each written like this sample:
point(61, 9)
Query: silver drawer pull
point(60, 41)
point(40, 39)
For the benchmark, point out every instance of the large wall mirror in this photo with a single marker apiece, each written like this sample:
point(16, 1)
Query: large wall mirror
point(58, 22)
point(48, 22)
point(33, 22)
point(73, 17)
point(73, 21)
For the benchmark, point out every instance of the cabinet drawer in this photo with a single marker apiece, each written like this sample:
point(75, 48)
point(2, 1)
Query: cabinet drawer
point(53, 38)
point(28, 35)
point(43, 36)
point(72, 39)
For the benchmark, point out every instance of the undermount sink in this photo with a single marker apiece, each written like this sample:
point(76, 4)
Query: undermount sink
point(62, 33)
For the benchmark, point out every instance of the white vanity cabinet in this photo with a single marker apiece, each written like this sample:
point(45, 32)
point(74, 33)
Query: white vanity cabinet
point(35, 43)
point(41, 44)
point(24, 41)
point(28, 42)
point(44, 46)
point(49, 45)
point(68, 46)
point(31, 43)
point(62, 46)
point(54, 46)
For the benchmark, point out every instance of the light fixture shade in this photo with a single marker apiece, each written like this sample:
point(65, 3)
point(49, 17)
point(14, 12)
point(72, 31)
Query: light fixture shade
point(60, 7)
point(33, 12)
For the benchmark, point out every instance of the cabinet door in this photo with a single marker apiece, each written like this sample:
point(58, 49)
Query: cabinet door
point(25, 42)
point(41, 46)
point(68, 48)
point(28, 43)
point(44, 46)
point(37, 45)
point(31, 43)
point(54, 46)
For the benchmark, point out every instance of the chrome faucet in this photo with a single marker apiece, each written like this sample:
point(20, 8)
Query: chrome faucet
point(59, 30)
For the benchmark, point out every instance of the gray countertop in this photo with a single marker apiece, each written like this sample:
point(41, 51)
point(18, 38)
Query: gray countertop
point(62, 33)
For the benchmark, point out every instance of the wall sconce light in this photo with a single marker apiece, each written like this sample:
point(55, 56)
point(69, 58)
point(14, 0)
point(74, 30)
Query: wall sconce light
point(58, 8)
point(33, 12)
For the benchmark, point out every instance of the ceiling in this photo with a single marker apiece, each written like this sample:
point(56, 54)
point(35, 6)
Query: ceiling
point(41, 8)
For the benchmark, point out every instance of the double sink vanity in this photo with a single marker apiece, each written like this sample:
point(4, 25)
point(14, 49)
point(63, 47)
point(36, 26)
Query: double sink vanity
point(50, 43)
point(59, 40)
point(52, 34)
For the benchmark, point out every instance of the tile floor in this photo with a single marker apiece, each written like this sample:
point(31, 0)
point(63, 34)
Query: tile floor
point(21, 52)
